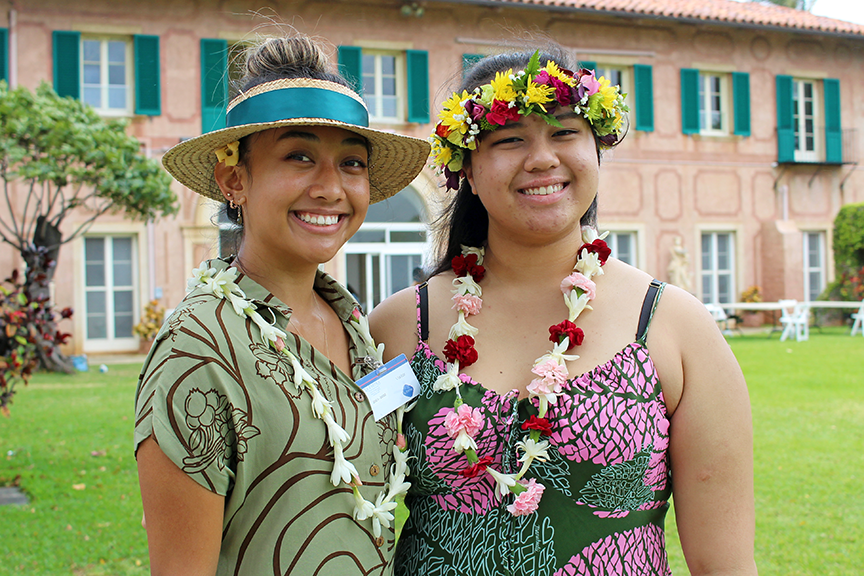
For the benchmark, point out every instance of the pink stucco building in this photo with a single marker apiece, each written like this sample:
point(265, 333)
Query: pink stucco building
point(747, 124)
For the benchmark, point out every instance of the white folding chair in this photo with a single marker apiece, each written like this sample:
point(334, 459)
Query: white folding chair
point(858, 317)
point(719, 316)
point(795, 319)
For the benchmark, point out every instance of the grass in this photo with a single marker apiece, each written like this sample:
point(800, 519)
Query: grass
point(808, 414)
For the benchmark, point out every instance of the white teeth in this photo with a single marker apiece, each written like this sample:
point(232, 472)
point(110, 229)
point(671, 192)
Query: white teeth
point(543, 190)
point(318, 220)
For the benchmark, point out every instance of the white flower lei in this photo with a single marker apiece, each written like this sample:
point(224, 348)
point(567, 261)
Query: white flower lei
point(222, 285)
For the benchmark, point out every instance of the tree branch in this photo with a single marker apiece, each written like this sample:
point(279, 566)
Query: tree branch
point(85, 226)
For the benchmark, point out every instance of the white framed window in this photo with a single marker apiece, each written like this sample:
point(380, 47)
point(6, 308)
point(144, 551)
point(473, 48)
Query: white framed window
point(623, 246)
point(383, 80)
point(110, 266)
point(713, 103)
point(718, 267)
point(804, 116)
point(388, 253)
point(814, 265)
point(107, 75)
point(620, 76)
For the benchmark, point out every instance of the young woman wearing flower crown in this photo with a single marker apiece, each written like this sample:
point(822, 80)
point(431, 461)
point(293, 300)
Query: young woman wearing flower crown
point(553, 426)
point(257, 452)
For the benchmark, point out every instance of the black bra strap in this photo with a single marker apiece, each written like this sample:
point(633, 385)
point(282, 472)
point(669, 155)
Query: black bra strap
point(423, 292)
point(652, 296)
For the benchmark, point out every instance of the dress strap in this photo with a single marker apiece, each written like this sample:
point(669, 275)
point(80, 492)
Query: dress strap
point(652, 297)
point(423, 311)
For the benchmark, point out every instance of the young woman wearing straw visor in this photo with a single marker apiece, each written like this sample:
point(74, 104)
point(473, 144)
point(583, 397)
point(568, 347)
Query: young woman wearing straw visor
point(257, 453)
point(550, 433)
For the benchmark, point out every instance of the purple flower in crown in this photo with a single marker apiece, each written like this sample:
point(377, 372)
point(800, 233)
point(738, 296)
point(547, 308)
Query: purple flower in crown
point(562, 91)
point(609, 139)
point(587, 79)
point(452, 178)
point(475, 110)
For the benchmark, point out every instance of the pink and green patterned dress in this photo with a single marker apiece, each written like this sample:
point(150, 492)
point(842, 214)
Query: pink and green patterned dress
point(607, 479)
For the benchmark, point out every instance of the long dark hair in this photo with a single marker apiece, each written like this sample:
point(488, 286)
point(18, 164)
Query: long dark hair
point(465, 221)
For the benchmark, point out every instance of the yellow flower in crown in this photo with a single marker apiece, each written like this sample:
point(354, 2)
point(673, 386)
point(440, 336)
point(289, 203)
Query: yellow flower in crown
point(538, 94)
point(608, 93)
point(553, 70)
point(229, 154)
point(502, 87)
point(453, 113)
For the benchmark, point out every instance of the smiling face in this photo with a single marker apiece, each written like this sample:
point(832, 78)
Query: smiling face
point(304, 191)
point(534, 179)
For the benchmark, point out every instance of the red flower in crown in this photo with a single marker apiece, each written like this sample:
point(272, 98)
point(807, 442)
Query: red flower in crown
point(567, 328)
point(501, 113)
point(463, 265)
point(461, 350)
point(477, 468)
point(541, 424)
point(600, 248)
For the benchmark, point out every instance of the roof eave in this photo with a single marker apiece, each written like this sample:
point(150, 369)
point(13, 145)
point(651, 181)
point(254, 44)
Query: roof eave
point(644, 16)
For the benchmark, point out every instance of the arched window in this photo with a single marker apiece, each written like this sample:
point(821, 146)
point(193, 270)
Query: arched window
point(387, 253)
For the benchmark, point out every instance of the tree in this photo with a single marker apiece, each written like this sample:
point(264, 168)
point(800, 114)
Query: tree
point(58, 155)
point(797, 4)
point(848, 245)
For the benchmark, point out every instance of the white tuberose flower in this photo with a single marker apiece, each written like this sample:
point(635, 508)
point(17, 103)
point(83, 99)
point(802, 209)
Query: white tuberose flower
point(461, 328)
point(533, 450)
point(343, 470)
point(381, 515)
point(503, 482)
point(363, 509)
point(449, 380)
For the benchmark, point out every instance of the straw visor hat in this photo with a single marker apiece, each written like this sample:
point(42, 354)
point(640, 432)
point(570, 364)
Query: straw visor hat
point(394, 160)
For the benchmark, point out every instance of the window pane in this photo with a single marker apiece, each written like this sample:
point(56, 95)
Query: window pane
point(117, 98)
point(355, 265)
point(96, 325)
point(117, 75)
point(123, 325)
point(706, 252)
point(723, 255)
point(372, 104)
point(369, 236)
point(388, 107)
point(122, 302)
point(122, 248)
point(388, 65)
point(368, 65)
point(388, 86)
point(707, 296)
point(368, 86)
point(724, 288)
point(90, 49)
point(376, 279)
point(94, 258)
point(93, 97)
point(117, 52)
point(92, 74)
point(408, 236)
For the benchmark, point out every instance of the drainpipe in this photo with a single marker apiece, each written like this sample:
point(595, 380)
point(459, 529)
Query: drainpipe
point(784, 200)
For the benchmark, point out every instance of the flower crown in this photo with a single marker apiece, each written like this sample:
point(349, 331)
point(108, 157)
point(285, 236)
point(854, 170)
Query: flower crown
point(509, 96)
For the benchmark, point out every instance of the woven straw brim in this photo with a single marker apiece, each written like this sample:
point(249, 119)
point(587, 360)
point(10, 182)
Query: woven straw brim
point(394, 160)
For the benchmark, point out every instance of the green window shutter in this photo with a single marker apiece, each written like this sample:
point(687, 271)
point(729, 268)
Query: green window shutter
point(741, 102)
point(689, 101)
point(148, 90)
point(833, 130)
point(468, 60)
point(643, 96)
point(588, 64)
point(785, 120)
point(214, 84)
point(67, 63)
point(417, 62)
point(351, 66)
point(4, 54)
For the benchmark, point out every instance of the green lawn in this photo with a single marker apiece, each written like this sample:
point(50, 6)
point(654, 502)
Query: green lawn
point(70, 439)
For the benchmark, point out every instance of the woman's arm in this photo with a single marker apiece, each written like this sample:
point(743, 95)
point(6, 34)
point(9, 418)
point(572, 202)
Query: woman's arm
point(711, 439)
point(183, 519)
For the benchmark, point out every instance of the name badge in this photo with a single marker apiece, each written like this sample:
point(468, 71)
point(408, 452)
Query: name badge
point(390, 386)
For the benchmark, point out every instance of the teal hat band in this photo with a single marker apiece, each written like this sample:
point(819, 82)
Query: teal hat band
point(300, 102)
